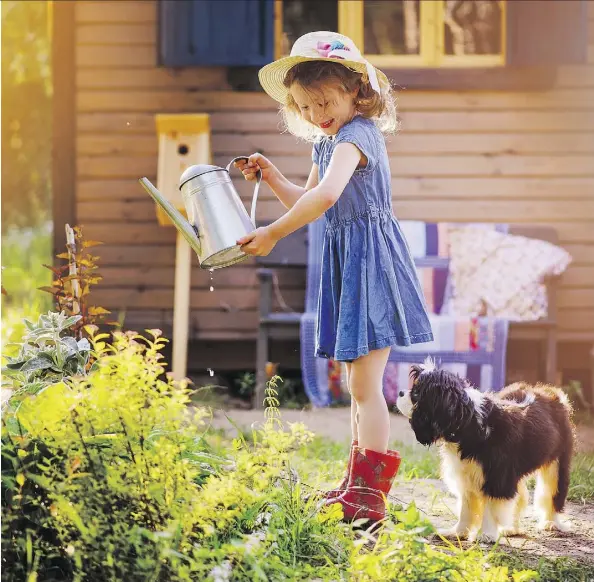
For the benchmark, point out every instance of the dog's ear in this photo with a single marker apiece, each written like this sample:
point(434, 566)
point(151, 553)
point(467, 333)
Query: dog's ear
point(442, 407)
point(415, 372)
point(424, 427)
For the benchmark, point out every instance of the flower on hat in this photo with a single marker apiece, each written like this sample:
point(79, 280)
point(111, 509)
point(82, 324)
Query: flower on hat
point(327, 49)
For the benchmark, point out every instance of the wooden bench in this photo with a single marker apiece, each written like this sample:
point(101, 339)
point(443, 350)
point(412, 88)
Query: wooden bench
point(292, 252)
point(543, 331)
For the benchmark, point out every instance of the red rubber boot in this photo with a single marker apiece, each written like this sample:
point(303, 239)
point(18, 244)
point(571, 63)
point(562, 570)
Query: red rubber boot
point(333, 493)
point(372, 475)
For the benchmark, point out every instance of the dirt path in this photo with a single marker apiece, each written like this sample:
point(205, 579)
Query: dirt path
point(430, 495)
point(332, 423)
point(432, 498)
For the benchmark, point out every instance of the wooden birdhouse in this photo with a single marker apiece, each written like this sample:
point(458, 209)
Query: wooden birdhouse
point(184, 140)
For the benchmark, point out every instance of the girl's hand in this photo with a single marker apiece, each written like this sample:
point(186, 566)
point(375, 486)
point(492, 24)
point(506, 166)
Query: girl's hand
point(256, 162)
point(259, 243)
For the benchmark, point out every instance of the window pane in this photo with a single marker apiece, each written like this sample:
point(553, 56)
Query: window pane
point(472, 27)
point(391, 28)
point(301, 16)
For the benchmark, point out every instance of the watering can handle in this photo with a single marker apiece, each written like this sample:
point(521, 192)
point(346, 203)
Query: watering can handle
point(256, 189)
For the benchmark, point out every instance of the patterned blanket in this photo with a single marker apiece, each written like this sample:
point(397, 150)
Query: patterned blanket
point(474, 348)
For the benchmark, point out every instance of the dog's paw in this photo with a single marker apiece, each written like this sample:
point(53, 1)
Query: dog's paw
point(510, 532)
point(486, 537)
point(555, 524)
point(454, 532)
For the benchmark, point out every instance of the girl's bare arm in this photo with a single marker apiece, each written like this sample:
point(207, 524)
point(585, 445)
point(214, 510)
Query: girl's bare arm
point(287, 192)
point(314, 202)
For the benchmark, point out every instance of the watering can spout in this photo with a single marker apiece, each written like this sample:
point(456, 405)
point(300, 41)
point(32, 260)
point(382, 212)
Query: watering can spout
point(178, 219)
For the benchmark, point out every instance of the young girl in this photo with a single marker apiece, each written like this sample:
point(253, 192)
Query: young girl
point(370, 297)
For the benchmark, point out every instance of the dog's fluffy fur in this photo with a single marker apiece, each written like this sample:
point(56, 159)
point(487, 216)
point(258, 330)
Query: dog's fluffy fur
point(490, 444)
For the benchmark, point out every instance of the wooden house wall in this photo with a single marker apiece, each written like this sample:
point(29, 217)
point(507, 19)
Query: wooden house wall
point(518, 157)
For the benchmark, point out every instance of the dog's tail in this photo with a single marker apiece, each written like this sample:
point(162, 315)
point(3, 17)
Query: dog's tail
point(564, 461)
point(560, 496)
point(568, 445)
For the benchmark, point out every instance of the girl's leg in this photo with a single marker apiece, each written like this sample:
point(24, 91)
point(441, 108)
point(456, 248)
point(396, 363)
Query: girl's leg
point(338, 491)
point(354, 409)
point(366, 386)
point(372, 467)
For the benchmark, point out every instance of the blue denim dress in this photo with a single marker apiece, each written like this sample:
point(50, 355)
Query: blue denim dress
point(370, 295)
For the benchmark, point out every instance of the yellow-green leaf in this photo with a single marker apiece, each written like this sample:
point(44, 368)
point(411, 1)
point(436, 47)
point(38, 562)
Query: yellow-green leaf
point(48, 410)
point(20, 479)
point(91, 243)
point(98, 311)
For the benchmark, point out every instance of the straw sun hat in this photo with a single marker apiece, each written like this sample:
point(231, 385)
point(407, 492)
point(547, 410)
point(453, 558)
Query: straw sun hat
point(318, 46)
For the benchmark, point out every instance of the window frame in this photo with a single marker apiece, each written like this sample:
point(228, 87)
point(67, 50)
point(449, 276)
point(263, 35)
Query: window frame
point(541, 36)
point(432, 38)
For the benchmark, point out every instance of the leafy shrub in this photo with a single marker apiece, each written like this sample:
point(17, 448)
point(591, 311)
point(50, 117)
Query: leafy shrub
point(46, 356)
point(112, 475)
point(73, 281)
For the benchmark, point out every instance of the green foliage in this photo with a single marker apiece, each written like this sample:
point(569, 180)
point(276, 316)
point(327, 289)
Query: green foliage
point(581, 483)
point(45, 360)
point(23, 253)
point(71, 290)
point(580, 403)
point(418, 462)
point(113, 475)
point(549, 569)
point(46, 356)
point(289, 391)
point(26, 114)
point(116, 465)
point(246, 384)
point(109, 476)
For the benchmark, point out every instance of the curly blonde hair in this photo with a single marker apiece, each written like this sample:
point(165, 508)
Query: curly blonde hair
point(380, 107)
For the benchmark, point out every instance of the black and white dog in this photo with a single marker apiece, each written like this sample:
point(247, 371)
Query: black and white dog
point(490, 443)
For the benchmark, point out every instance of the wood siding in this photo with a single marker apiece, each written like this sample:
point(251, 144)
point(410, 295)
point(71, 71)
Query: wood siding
point(516, 157)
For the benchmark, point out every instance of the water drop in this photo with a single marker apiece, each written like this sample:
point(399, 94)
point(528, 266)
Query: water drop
point(211, 288)
point(127, 123)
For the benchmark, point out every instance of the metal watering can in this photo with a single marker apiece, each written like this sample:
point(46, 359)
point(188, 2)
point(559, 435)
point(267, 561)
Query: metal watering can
point(216, 215)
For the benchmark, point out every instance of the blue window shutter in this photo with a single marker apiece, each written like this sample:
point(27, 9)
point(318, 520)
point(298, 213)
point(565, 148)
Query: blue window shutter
point(229, 33)
point(547, 32)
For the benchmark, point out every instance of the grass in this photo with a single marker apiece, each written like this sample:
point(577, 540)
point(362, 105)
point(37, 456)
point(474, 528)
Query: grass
point(321, 463)
point(24, 252)
point(581, 485)
point(323, 456)
point(549, 569)
point(418, 462)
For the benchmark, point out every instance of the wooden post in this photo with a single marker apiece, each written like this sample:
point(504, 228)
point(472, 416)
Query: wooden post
point(184, 140)
point(262, 346)
point(71, 248)
point(181, 307)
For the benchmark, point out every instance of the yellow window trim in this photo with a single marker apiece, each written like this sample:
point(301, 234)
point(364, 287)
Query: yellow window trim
point(278, 29)
point(350, 20)
point(432, 37)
